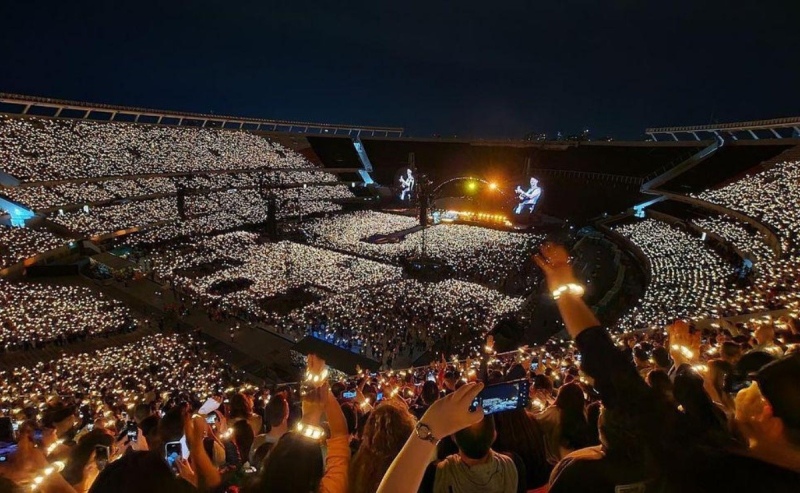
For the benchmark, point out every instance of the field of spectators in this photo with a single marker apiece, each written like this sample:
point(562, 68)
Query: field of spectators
point(33, 315)
point(18, 244)
point(688, 278)
point(43, 149)
point(473, 253)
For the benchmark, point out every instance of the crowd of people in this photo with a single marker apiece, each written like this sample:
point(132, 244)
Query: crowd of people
point(238, 273)
point(38, 150)
point(665, 409)
point(400, 320)
point(33, 315)
point(690, 280)
point(494, 257)
point(768, 197)
point(656, 403)
point(80, 192)
point(18, 244)
point(687, 277)
point(95, 221)
point(749, 243)
point(273, 269)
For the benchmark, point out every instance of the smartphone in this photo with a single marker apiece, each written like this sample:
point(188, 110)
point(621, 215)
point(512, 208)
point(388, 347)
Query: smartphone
point(431, 377)
point(133, 431)
point(101, 456)
point(379, 397)
point(349, 395)
point(6, 429)
point(173, 451)
point(211, 418)
point(506, 396)
point(6, 449)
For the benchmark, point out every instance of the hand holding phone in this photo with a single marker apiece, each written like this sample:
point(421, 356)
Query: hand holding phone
point(506, 396)
point(101, 454)
point(172, 452)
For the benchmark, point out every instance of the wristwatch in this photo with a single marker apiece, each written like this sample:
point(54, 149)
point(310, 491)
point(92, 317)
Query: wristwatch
point(424, 432)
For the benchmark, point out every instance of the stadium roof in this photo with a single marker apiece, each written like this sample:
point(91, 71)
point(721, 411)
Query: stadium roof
point(750, 127)
point(91, 111)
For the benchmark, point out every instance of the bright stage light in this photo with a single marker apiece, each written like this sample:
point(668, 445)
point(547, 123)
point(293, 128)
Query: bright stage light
point(493, 186)
point(472, 186)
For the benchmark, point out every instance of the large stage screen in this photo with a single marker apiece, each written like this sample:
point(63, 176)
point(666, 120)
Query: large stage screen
point(405, 182)
point(528, 198)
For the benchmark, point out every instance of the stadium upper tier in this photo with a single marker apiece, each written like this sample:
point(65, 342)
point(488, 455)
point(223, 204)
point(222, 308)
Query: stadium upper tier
point(727, 163)
point(690, 279)
point(35, 150)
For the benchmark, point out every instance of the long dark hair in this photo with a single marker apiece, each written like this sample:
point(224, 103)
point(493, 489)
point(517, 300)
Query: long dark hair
point(520, 433)
point(385, 433)
point(574, 427)
point(80, 454)
point(294, 465)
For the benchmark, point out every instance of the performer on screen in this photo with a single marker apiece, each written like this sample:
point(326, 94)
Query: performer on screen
point(529, 198)
point(407, 185)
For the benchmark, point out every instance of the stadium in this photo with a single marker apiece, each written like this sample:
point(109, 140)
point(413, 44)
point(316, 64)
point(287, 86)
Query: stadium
point(204, 302)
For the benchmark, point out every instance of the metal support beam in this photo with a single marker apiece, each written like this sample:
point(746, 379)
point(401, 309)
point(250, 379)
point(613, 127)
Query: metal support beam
point(775, 133)
point(675, 137)
point(753, 134)
point(696, 137)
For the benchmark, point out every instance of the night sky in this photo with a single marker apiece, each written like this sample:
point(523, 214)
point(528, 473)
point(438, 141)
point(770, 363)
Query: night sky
point(487, 69)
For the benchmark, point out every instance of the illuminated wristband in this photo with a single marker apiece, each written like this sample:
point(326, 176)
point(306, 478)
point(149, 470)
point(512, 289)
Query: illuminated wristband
point(569, 288)
point(310, 431)
point(316, 379)
point(55, 467)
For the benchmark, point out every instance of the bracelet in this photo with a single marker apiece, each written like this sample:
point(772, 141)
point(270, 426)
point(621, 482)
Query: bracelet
point(571, 288)
point(316, 378)
point(310, 431)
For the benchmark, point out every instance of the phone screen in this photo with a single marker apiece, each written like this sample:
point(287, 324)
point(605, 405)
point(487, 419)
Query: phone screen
point(6, 449)
point(506, 396)
point(101, 456)
point(6, 429)
point(173, 451)
point(349, 395)
point(133, 431)
point(211, 418)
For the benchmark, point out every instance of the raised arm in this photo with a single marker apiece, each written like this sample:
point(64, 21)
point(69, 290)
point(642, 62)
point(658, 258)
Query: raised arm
point(445, 417)
point(554, 262)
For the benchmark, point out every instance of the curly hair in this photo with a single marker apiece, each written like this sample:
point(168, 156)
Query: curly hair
point(385, 433)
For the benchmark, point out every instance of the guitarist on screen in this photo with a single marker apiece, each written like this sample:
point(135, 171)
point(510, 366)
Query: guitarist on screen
point(529, 198)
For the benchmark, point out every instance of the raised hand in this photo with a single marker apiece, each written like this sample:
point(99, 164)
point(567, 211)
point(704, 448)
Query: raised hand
point(684, 347)
point(554, 262)
point(451, 413)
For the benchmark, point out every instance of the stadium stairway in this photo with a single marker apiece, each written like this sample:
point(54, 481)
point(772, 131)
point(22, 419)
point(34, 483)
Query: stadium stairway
point(673, 171)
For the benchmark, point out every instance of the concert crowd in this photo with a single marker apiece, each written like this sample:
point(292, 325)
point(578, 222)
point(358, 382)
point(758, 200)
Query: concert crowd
point(667, 409)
